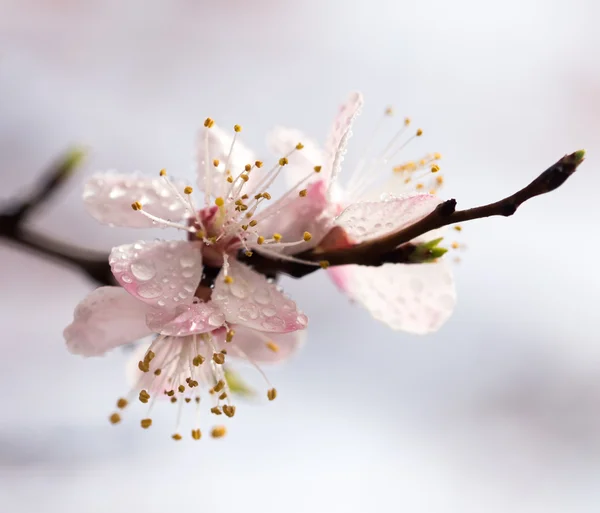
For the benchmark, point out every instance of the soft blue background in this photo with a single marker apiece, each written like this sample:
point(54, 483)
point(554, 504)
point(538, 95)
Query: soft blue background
point(498, 412)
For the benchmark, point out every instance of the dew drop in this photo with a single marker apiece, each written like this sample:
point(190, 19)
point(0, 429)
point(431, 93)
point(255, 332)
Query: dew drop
point(268, 311)
point(262, 296)
point(149, 290)
point(302, 320)
point(273, 323)
point(187, 261)
point(187, 273)
point(161, 302)
point(216, 319)
point(239, 289)
point(143, 271)
point(248, 312)
point(127, 279)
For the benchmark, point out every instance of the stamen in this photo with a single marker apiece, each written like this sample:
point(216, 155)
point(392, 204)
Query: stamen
point(218, 432)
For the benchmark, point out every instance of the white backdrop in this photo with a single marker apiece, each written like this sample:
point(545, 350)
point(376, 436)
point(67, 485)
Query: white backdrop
point(497, 412)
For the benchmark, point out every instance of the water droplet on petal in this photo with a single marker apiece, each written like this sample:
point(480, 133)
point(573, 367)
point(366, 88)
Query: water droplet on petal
point(216, 319)
point(126, 278)
point(187, 273)
point(238, 289)
point(273, 323)
point(143, 271)
point(302, 320)
point(248, 312)
point(262, 296)
point(149, 290)
point(269, 311)
point(187, 261)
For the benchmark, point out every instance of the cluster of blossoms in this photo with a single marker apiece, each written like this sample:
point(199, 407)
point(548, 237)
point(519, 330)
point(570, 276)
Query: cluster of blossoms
point(201, 305)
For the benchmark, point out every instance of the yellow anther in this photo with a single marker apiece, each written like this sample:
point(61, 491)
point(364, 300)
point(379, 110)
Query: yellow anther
point(181, 388)
point(389, 111)
point(253, 222)
point(248, 253)
point(244, 177)
point(144, 396)
point(272, 346)
point(173, 399)
point(188, 399)
point(219, 386)
point(260, 239)
point(199, 234)
point(244, 227)
point(324, 264)
point(303, 193)
point(143, 366)
point(455, 245)
point(283, 161)
point(237, 128)
point(247, 167)
point(307, 236)
point(258, 196)
point(149, 356)
point(219, 201)
point(433, 192)
point(258, 164)
point(229, 410)
point(115, 418)
point(196, 434)
point(216, 410)
point(216, 162)
point(218, 432)
point(228, 280)
point(266, 195)
point(439, 180)
point(219, 358)
point(277, 237)
point(121, 403)
point(230, 179)
point(299, 146)
point(230, 333)
point(317, 169)
point(249, 215)
point(208, 122)
point(193, 383)
point(419, 186)
point(136, 205)
point(176, 437)
point(223, 396)
point(458, 228)
point(272, 394)
point(163, 172)
point(437, 156)
point(245, 197)
point(197, 399)
point(188, 190)
point(435, 168)
point(146, 423)
point(422, 162)
point(198, 360)
point(170, 393)
point(406, 121)
point(419, 132)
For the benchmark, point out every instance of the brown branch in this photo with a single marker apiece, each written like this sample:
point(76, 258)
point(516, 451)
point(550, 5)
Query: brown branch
point(395, 248)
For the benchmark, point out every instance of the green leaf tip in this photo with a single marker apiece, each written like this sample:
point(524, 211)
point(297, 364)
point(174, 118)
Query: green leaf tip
point(579, 155)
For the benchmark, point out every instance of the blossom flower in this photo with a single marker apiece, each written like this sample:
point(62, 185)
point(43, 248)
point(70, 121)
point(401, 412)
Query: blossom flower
point(375, 202)
point(198, 301)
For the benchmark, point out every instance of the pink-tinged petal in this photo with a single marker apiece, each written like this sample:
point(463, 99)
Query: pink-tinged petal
point(186, 320)
point(295, 216)
point(219, 145)
point(282, 141)
point(261, 347)
point(250, 300)
point(163, 274)
point(108, 198)
point(335, 147)
point(417, 298)
point(107, 318)
point(371, 219)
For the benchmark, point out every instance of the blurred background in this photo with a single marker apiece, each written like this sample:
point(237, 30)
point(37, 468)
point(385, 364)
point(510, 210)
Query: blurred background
point(498, 412)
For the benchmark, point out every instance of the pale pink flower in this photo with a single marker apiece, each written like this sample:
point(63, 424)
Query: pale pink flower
point(376, 201)
point(167, 290)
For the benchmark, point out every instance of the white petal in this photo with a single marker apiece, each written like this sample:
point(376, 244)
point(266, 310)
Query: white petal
point(186, 320)
point(163, 274)
point(105, 319)
point(335, 147)
point(282, 140)
point(219, 145)
point(108, 198)
point(255, 303)
point(417, 298)
point(264, 347)
point(371, 219)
